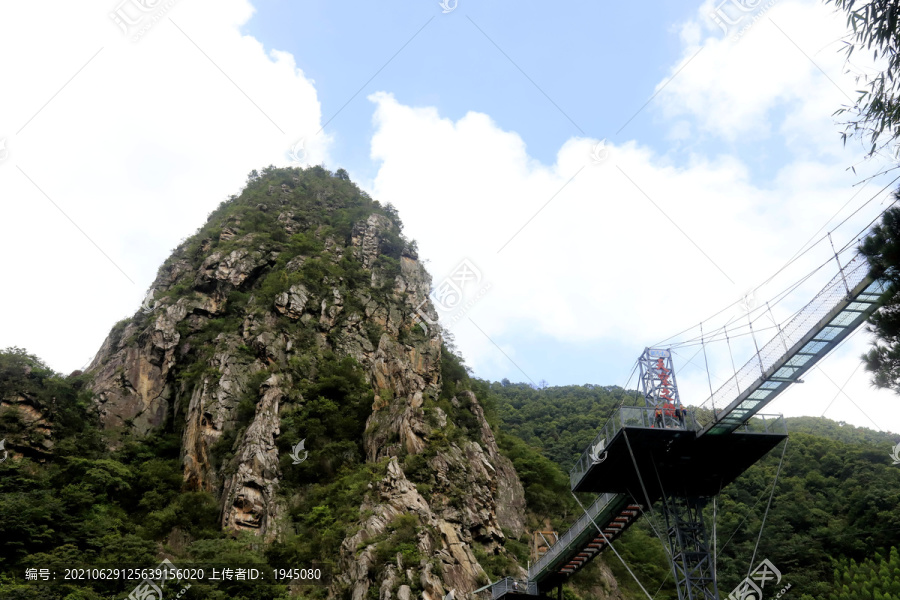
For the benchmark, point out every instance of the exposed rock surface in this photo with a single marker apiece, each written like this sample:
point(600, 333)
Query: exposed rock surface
point(249, 495)
point(36, 406)
point(36, 434)
point(236, 310)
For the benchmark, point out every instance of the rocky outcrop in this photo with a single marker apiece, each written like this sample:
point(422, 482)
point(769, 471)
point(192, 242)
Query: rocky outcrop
point(249, 495)
point(217, 351)
point(35, 430)
point(366, 239)
point(396, 495)
point(505, 483)
point(292, 303)
point(133, 380)
point(234, 268)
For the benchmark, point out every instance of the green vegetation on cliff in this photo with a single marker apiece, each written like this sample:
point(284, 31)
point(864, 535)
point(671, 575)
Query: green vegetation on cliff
point(80, 503)
point(116, 496)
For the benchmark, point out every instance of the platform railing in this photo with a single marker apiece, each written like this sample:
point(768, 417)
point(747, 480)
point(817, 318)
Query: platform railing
point(761, 423)
point(570, 536)
point(627, 416)
point(508, 585)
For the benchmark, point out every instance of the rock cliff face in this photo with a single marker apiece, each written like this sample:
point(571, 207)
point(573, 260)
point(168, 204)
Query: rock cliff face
point(302, 266)
point(37, 431)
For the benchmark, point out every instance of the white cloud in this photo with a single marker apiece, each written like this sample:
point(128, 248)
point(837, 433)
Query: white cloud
point(769, 81)
point(136, 149)
point(467, 188)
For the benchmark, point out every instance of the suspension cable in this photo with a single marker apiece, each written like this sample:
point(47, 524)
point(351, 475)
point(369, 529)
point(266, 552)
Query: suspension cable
point(829, 220)
point(721, 330)
point(746, 516)
point(714, 520)
point(784, 293)
point(840, 266)
point(646, 495)
point(706, 360)
point(733, 368)
point(800, 254)
point(632, 375)
point(668, 574)
point(762, 370)
point(780, 332)
point(779, 297)
point(769, 505)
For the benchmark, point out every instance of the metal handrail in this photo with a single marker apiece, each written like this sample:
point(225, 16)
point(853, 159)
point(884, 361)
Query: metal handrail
point(764, 423)
point(515, 586)
point(573, 532)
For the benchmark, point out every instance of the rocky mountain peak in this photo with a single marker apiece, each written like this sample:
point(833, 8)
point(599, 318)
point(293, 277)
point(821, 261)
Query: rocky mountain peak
point(289, 317)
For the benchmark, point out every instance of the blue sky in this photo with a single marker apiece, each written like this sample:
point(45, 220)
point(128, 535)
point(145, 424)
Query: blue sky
point(483, 125)
point(548, 74)
point(578, 70)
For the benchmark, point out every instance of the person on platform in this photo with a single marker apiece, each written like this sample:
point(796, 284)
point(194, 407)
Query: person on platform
point(669, 412)
point(679, 412)
point(658, 417)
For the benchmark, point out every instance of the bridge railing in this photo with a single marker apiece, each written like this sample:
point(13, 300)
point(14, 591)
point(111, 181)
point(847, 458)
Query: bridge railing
point(626, 416)
point(570, 536)
point(793, 332)
point(761, 423)
point(508, 585)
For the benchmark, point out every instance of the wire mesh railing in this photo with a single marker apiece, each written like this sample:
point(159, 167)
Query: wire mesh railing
point(803, 322)
point(761, 423)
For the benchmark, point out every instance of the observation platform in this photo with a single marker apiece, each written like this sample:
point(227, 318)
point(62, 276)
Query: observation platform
point(670, 459)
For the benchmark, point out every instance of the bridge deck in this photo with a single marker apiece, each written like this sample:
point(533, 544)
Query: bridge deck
point(815, 331)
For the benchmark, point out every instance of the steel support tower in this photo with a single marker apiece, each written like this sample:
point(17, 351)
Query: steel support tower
point(692, 565)
point(695, 577)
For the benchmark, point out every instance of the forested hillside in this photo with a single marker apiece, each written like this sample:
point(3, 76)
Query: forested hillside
point(834, 520)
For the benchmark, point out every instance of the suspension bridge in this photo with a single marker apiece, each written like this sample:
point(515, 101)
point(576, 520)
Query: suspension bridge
point(658, 453)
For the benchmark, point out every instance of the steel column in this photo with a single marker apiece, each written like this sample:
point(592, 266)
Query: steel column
point(692, 567)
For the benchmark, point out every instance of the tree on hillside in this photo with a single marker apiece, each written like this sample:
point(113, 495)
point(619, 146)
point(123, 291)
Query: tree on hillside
point(876, 113)
point(882, 248)
point(875, 116)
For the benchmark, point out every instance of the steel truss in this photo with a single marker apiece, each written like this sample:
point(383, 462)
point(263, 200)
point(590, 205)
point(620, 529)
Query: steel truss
point(695, 577)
